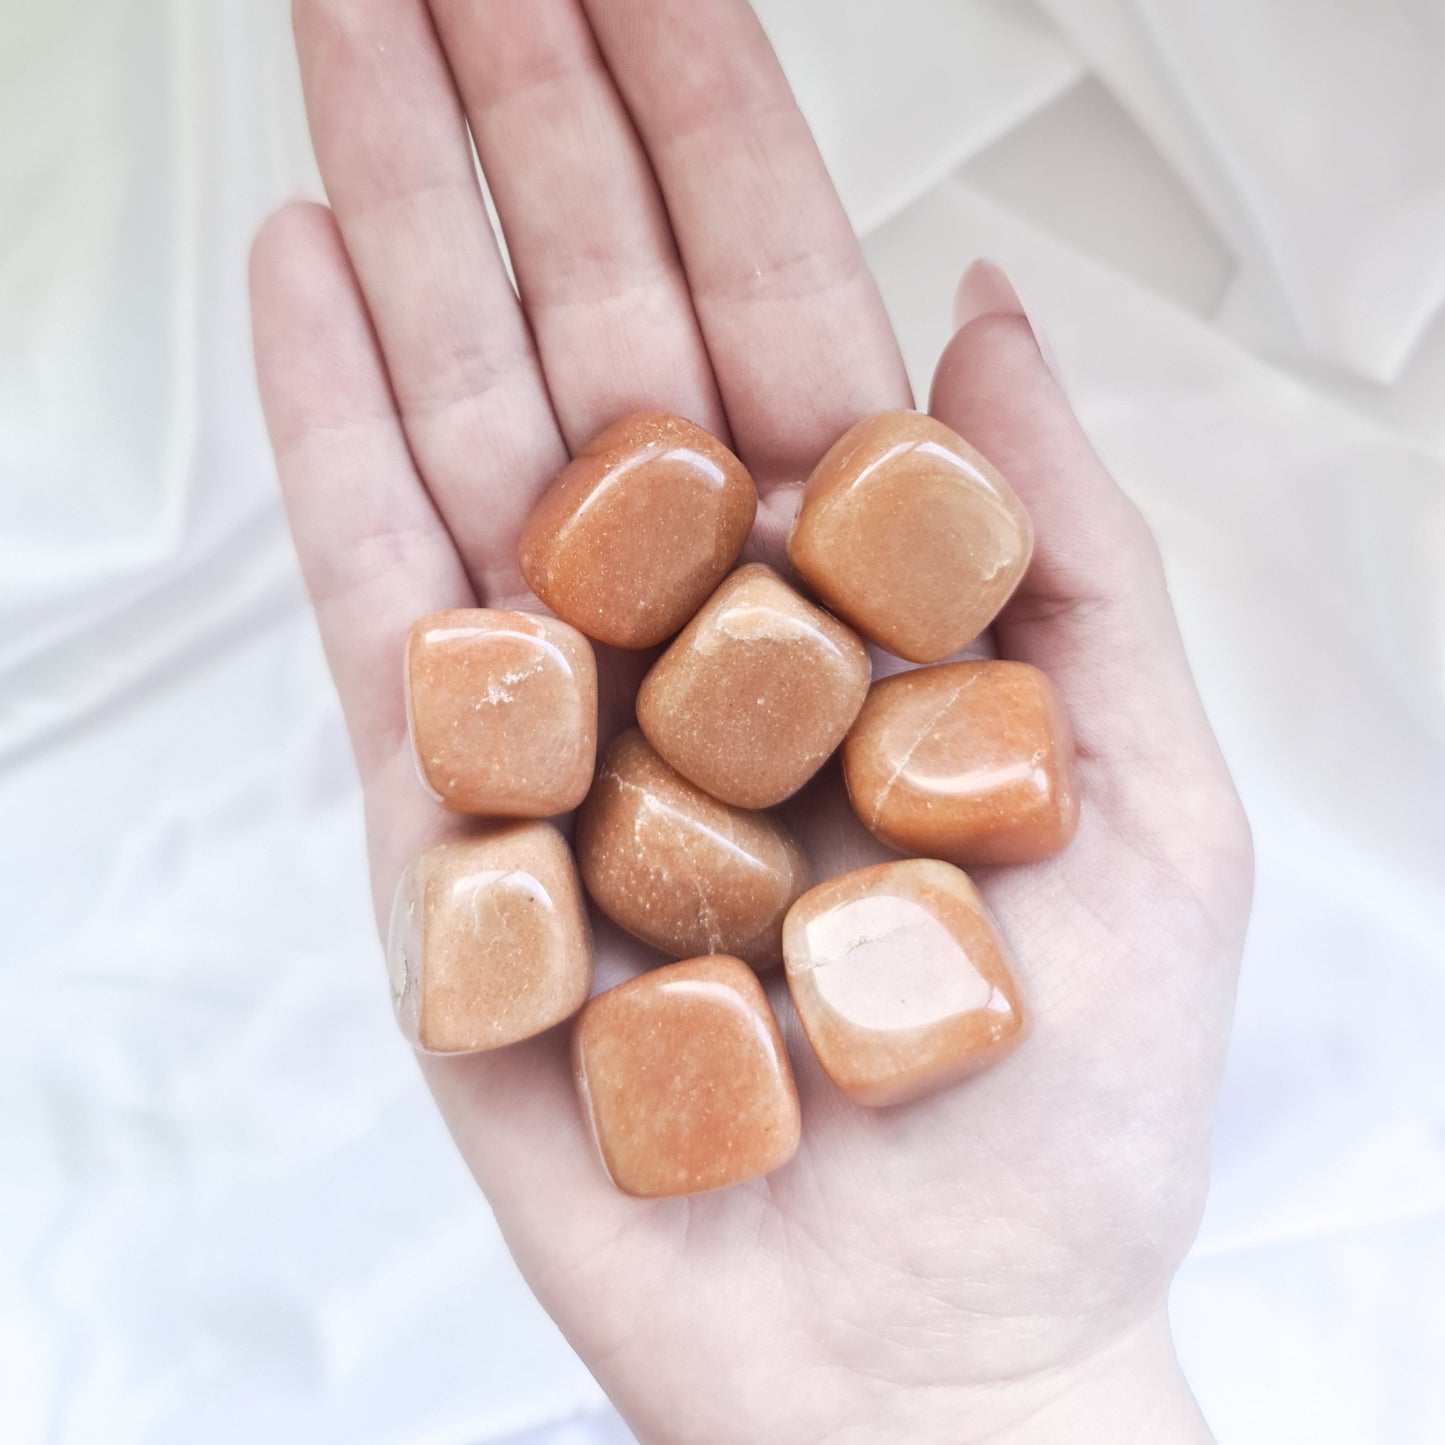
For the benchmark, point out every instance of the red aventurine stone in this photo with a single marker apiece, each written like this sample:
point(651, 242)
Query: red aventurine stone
point(756, 693)
point(899, 980)
point(680, 870)
point(489, 941)
point(502, 708)
point(971, 761)
point(629, 541)
point(907, 533)
point(683, 1077)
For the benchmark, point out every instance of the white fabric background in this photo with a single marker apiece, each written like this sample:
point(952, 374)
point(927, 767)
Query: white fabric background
point(227, 1211)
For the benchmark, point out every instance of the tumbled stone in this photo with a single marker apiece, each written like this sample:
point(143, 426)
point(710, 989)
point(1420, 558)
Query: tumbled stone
point(680, 870)
point(503, 712)
point(756, 693)
point(900, 980)
point(684, 1079)
point(629, 541)
point(971, 761)
point(489, 941)
point(910, 535)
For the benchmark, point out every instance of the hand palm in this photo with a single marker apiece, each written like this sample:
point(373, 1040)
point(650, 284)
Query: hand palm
point(1000, 1231)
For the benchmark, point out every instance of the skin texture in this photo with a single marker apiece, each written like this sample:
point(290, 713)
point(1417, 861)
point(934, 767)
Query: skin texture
point(988, 1264)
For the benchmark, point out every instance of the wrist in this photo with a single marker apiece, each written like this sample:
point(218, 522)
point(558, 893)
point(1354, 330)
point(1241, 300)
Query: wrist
point(1132, 1391)
point(1128, 1391)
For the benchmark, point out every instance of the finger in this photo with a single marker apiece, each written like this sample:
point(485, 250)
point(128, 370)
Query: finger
point(374, 552)
point(376, 556)
point(798, 336)
point(1093, 611)
point(586, 230)
point(392, 145)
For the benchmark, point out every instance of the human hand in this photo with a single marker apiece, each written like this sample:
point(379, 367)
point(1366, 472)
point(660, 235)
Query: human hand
point(990, 1264)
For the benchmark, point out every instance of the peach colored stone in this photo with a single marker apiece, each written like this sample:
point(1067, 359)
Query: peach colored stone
point(680, 870)
point(684, 1079)
point(971, 761)
point(754, 696)
point(502, 708)
point(900, 980)
point(629, 541)
point(907, 533)
point(489, 941)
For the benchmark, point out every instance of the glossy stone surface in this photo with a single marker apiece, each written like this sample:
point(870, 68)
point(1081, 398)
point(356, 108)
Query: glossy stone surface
point(759, 689)
point(502, 708)
point(900, 980)
point(683, 1077)
point(910, 535)
point(629, 541)
point(680, 870)
point(489, 941)
point(972, 762)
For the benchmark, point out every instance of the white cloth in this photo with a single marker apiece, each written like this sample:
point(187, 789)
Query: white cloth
point(229, 1211)
point(1310, 130)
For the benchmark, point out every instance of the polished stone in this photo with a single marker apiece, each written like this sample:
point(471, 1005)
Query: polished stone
point(680, 870)
point(910, 535)
point(489, 941)
point(684, 1079)
point(754, 696)
point(502, 708)
point(639, 529)
point(972, 762)
point(900, 980)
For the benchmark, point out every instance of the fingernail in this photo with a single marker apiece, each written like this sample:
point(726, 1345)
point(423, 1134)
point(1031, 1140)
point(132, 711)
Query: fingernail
point(985, 290)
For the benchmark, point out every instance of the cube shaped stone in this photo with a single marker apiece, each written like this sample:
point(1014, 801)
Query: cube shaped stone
point(502, 708)
point(684, 1079)
point(900, 980)
point(489, 942)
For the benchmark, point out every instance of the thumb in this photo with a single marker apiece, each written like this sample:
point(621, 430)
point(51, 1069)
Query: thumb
point(1093, 611)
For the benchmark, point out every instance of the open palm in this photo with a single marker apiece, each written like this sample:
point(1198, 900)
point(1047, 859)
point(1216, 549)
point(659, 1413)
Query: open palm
point(991, 1263)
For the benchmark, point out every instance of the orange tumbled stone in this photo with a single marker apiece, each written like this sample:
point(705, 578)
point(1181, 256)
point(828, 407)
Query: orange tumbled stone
point(684, 1079)
point(900, 980)
point(640, 527)
point(502, 708)
point(910, 535)
point(971, 761)
point(489, 941)
point(680, 870)
point(756, 693)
